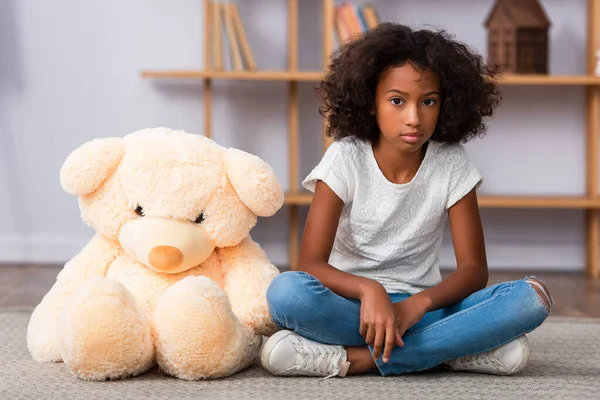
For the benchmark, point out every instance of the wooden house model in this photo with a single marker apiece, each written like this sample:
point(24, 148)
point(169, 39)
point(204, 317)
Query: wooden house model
point(518, 36)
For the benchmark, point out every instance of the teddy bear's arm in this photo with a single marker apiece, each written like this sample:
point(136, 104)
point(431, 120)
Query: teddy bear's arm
point(247, 275)
point(92, 260)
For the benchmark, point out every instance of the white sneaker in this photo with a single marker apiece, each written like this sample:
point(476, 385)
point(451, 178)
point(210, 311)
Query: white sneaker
point(505, 360)
point(289, 354)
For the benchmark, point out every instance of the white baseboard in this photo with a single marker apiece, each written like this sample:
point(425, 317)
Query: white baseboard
point(501, 256)
point(526, 256)
point(43, 249)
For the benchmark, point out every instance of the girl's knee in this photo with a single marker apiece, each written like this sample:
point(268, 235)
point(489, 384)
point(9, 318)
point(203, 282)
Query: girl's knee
point(287, 290)
point(542, 292)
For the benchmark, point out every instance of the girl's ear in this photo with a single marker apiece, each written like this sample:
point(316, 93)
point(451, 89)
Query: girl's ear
point(88, 166)
point(254, 181)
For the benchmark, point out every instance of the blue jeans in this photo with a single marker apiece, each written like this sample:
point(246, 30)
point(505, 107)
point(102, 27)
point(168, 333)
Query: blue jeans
point(481, 322)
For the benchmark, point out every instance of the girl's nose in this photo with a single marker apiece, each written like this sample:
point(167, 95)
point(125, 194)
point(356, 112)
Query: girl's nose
point(412, 116)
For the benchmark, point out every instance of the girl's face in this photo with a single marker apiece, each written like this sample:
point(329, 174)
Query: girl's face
point(407, 106)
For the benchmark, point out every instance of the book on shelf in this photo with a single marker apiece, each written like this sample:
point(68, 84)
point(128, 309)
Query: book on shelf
point(227, 29)
point(351, 20)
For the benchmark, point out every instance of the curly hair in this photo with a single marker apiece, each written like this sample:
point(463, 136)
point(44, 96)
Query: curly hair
point(469, 91)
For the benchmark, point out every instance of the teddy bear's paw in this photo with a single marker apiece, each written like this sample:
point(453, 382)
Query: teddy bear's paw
point(42, 340)
point(104, 334)
point(197, 334)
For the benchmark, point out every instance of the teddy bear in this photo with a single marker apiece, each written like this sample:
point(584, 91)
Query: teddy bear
point(171, 275)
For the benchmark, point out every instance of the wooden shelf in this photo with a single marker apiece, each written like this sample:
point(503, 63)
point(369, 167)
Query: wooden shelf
point(296, 197)
point(314, 76)
point(550, 80)
point(304, 198)
point(284, 76)
point(299, 199)
point(539, 202)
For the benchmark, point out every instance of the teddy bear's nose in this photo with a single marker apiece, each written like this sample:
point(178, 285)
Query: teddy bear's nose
point(165, 257)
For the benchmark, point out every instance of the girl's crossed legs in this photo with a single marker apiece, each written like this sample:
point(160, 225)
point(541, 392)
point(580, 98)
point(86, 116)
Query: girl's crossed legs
point(484, 321)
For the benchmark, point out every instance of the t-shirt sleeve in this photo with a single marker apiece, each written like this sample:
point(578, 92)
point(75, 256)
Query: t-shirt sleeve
point(464, 176)
point(333, 171)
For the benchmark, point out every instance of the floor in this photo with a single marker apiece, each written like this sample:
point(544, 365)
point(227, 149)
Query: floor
point(575, 295)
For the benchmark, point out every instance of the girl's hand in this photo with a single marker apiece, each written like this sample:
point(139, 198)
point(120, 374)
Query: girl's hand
point(378, 320)
point(408, 312)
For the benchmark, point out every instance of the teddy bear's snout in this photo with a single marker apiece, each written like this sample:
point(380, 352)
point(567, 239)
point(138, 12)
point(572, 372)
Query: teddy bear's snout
point(166, 245)
point(164, 258)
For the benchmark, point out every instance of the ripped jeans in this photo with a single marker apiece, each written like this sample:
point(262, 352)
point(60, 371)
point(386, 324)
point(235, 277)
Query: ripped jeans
point(481, 322)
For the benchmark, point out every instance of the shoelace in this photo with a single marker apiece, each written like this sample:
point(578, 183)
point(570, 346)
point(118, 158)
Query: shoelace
point(323, 359)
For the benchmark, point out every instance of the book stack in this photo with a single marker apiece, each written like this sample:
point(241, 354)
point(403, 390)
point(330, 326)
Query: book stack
point(228, 30)
point(352, 20)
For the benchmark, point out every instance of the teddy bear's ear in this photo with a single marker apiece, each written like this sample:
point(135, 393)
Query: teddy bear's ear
point(88, 166)
point(254, 181)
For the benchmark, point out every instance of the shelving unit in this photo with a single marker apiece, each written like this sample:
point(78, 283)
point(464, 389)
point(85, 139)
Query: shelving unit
point(587, 203)
point(295, 198)
point(315, 76)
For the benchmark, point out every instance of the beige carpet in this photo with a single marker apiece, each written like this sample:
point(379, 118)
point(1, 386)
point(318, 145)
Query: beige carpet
point(565, 364)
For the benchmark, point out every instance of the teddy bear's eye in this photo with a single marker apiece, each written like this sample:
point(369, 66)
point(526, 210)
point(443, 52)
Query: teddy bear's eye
point(200, 218)
point(139, 211)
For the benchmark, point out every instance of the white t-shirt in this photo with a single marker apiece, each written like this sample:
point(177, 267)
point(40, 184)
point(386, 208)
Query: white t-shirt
point(392, 232)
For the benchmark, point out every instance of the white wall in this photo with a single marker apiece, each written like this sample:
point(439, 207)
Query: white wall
point(69, 72)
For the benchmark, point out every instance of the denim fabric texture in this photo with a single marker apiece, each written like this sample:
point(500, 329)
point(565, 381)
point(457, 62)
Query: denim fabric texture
point(481, 322)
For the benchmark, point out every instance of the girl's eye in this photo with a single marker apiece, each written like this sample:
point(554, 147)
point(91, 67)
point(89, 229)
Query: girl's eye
point(429, 102)
point(139, 211)
point(396, 101)
point(200, 218)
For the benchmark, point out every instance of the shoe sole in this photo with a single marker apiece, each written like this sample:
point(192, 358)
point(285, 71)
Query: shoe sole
point(269, 345)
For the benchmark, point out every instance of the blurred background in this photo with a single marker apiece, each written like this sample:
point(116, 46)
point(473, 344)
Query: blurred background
point(71, 71)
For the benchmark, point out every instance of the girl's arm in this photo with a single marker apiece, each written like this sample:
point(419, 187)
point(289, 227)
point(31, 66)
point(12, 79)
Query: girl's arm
point(377, 316)
point(317, 241)
point(471, 273)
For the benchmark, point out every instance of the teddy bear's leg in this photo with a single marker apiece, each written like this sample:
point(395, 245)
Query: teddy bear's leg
point(197, 334)
point(103, 332)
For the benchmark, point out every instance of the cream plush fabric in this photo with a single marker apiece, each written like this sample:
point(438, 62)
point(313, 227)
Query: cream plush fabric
point(172, 275)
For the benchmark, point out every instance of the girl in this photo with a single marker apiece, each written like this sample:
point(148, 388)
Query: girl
point(368, 294)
